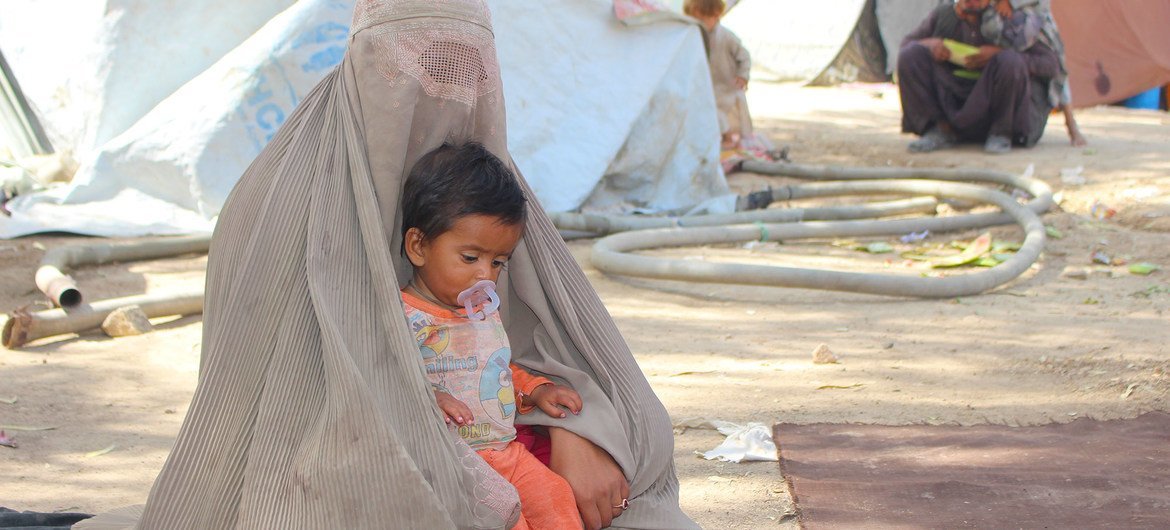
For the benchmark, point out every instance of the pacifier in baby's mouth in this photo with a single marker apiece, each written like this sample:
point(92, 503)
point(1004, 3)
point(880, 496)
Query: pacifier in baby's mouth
point(483, 293)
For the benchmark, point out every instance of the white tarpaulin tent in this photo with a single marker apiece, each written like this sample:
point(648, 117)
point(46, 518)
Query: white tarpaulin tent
point(803, 41)
point(94, 67)
point(793, 40)
point(602, 116)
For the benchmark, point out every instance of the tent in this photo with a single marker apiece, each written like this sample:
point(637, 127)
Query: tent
point(175, 99)
point(1114, 50)
point(827, 42)
point(20, 130)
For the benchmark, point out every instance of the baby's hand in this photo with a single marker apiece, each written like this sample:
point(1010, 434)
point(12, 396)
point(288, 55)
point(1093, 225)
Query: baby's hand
point(1004, 8)
point(547, 397)
point(453, 409)
point(741, 83)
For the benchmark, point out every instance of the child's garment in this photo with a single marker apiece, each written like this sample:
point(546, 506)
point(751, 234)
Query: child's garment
point(728, 59)
point(471, 361)
point(1031, 22)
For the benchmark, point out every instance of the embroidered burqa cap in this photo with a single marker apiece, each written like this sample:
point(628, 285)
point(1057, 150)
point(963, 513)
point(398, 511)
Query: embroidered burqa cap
point(312, 409)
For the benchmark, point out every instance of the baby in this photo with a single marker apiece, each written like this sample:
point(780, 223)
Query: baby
point(463, 215)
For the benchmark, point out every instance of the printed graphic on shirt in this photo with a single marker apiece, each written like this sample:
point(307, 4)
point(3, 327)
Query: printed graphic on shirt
point(496, 397)
point(495, 385)
point(471, 362)
point(433, 341)
point(475, 431)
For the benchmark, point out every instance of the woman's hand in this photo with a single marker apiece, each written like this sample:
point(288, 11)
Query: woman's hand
point(598, 483)
point(550, 397)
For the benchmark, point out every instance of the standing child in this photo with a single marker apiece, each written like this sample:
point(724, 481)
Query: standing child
point(463, 215)
point(730, 66)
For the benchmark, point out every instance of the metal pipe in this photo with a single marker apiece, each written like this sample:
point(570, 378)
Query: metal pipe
point(62, 289)
point(24, 326)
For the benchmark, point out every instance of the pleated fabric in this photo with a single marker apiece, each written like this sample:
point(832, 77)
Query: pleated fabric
point(312, 408)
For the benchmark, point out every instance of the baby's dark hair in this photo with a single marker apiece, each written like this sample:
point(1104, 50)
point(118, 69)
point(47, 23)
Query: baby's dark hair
point(704, 8)
point(456, 181)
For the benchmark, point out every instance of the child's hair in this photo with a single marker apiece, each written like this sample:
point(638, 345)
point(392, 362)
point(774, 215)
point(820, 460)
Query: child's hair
point(456, 181)
point(704, 8)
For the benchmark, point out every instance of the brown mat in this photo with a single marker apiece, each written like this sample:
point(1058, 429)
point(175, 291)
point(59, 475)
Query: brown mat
point(1084, 474)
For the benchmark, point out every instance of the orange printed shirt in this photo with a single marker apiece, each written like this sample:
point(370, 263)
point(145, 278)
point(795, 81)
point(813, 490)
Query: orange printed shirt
point(472, 361)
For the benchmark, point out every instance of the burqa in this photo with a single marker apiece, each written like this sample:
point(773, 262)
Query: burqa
point(312, 410)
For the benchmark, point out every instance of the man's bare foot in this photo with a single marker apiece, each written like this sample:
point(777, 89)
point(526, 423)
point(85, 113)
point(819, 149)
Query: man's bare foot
point(1074, 131)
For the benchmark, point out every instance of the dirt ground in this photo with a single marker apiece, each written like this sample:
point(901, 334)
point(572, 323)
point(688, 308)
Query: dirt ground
point(1047, 347)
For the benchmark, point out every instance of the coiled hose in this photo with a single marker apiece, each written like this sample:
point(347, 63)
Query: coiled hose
point(611, 254)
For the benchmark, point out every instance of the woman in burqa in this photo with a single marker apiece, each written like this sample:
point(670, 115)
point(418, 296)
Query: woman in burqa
point(312, 410)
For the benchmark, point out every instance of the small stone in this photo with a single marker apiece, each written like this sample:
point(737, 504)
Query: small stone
point(822, 355)
point(126, 321)
point(1075, 273)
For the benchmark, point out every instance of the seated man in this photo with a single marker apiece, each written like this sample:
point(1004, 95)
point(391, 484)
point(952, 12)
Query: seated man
point(999, 97)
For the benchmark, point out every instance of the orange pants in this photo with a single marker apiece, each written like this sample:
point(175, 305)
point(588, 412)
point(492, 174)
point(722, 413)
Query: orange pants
point(546, 500)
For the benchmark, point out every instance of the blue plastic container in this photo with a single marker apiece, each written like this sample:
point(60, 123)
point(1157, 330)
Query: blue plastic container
point(1150, 99)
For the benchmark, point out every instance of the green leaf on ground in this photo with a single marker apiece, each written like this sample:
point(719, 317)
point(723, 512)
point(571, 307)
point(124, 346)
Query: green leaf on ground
point(976, 249)
point(1143, 268)
point(987, 261)
point(100, 452)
